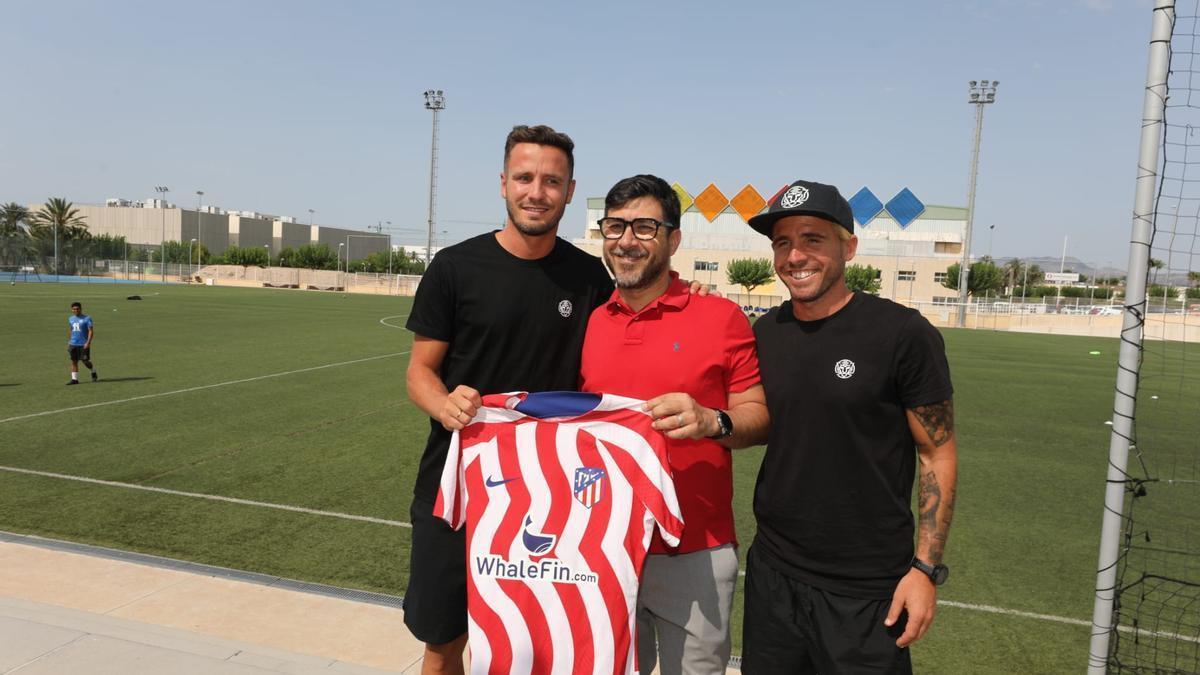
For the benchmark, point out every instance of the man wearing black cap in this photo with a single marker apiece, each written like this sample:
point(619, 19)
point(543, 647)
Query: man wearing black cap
point(859, 394)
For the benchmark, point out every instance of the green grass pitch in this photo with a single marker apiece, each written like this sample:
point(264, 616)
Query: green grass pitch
point(1030, 417)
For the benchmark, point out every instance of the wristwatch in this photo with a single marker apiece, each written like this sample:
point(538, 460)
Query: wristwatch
point(936, 573)
point(724, 425)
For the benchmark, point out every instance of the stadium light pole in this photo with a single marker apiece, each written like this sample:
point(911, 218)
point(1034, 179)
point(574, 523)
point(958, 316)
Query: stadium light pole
point(980, 93)
point(199, 225)
point(190, 245)
point(435, 101)
point(162, 244)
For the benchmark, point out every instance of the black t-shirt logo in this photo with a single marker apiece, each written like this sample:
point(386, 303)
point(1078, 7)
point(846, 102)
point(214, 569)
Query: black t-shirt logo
point(844, 369)
point(564, 308)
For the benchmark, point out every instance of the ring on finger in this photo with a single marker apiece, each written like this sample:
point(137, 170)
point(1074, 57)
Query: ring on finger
point(679, 420)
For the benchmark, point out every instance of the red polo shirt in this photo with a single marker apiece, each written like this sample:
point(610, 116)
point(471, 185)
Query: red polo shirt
point(702, 346)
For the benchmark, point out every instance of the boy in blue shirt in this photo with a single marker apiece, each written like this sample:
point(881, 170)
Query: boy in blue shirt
point(79, 342)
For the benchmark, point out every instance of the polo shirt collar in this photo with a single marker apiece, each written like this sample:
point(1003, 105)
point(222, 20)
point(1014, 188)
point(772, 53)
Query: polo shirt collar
point(676, 297)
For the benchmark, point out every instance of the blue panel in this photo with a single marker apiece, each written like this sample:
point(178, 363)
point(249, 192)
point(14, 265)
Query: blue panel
point(865, 206)
point(905, 207)
point(545, 404)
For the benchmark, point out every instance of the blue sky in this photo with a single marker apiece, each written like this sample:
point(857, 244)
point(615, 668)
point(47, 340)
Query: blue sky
point(283, 107)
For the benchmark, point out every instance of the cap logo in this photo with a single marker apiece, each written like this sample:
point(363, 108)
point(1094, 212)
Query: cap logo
point(795, 196)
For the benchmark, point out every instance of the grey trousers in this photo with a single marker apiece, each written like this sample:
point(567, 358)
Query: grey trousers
point(683, 611)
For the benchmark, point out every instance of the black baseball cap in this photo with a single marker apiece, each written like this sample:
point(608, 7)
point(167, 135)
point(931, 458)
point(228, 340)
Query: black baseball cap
point(805, 198)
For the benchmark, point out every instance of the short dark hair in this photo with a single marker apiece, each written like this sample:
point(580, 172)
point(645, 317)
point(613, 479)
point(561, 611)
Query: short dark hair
point(540, 135)
point(76, 304)
point(644, 185)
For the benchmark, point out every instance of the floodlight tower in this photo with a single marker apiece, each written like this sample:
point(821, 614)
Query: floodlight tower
point(199, 225)
point(435, 101)
point(982, 93)
point(162, 245)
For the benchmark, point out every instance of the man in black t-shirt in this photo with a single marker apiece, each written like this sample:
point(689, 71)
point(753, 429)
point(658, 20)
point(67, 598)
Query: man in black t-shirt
point(859, 393)
point(503, 311)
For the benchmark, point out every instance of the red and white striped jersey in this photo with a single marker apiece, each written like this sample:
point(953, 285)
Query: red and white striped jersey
point(559, 492)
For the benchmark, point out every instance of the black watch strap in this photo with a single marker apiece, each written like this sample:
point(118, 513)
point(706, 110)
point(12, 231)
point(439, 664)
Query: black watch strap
point(724, 425)
point(936, 573)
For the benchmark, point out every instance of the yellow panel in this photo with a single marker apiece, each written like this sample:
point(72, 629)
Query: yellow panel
point(711, 201)
point(748, 203)
point(685, 199)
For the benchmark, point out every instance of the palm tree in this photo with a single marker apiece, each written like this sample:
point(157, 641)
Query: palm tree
point(58, 214)
point(1156, 265)
point(15, 244)
point(12, 215)
point(1012, 272)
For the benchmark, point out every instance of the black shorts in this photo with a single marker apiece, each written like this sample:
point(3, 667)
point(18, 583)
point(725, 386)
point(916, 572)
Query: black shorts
point(792, 627)
point(79, 352)
point(435, 604)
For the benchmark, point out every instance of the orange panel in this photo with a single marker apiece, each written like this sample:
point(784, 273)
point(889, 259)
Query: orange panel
point(748, 203)
point(711, 202)
point(685, 199)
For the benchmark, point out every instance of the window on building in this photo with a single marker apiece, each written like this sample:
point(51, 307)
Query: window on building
point(942, 300)
point(906, 275)
point(947, 247)
point(705, 266)
point(939, 277)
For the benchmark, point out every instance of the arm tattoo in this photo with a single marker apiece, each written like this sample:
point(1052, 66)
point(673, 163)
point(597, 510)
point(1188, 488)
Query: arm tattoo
point(938, 421)
point(935, 530)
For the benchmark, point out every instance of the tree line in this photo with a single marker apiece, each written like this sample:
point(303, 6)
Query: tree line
point(29, 238)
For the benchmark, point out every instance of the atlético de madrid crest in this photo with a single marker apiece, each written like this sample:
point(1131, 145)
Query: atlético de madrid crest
point(589, 485)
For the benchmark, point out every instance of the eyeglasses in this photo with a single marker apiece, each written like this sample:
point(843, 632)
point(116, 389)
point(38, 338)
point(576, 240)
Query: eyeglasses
point(643, 228)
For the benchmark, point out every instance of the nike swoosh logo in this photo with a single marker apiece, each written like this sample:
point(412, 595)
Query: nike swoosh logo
point(490, 482)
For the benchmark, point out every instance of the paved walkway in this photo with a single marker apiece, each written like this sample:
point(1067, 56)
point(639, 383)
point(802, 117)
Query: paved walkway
point(64, 612)
point(88, 612)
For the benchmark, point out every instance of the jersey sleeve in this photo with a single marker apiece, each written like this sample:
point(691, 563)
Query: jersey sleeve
point(922, 372)
point(741, 354)
point(433, 308)
point(450, 504)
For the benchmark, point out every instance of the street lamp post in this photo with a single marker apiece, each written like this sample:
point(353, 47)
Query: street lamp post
point(981, 93)
point(991, 234)
point(190, 245)
point(199, 227)
point(436, 102)
point(162, 244)
point(339, 256)
point(268, 249)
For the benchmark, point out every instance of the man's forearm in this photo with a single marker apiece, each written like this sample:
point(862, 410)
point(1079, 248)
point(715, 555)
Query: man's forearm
point(750, 422)
point(937, 487)
point(932, 426)
point(426, 390)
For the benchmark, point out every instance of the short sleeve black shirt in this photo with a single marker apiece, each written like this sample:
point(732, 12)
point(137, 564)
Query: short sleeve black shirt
point(512, 324)
point(833, 494)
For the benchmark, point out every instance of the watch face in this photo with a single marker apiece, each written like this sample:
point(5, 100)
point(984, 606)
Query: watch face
point(940, 574)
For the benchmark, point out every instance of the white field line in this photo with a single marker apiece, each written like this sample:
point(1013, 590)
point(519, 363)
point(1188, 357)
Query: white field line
point(199, 388)
point(215, 498)
point(384, 321)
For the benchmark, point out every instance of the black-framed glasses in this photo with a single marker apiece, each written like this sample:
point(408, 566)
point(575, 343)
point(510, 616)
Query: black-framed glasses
point(643, 228)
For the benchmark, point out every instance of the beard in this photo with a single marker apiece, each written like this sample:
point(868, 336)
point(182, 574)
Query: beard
point(529, 229)
point(638, 278)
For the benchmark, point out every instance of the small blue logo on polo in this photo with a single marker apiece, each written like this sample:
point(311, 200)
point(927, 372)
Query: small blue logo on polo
point(675, 346)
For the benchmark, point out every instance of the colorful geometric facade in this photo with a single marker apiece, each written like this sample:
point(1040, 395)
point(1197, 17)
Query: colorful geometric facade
point(904, 208)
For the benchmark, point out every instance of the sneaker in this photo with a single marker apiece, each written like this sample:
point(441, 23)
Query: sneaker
point(95, 376)
point(69, 382)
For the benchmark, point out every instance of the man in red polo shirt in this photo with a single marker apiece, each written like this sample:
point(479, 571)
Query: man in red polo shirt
point(653, 337)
